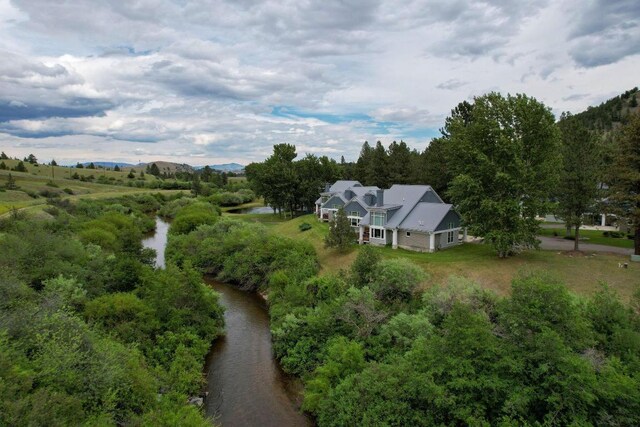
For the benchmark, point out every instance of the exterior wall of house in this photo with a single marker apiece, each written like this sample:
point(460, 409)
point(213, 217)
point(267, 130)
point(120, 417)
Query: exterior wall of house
point(388, 236)
point(450, 217)
point(416, 241)
point(441, 240)
point(354, 207)
point(333, 201)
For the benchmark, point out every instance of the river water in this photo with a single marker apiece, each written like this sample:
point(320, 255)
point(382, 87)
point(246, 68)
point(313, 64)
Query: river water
point(245, 384)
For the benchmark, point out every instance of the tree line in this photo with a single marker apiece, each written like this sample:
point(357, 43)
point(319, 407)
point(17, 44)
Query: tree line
point(503, 161)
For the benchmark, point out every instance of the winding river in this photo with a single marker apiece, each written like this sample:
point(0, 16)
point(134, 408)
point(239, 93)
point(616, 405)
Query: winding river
point(245, 384)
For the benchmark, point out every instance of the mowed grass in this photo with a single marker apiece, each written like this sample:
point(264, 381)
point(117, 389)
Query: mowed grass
point(581, 274)
point(590, 236)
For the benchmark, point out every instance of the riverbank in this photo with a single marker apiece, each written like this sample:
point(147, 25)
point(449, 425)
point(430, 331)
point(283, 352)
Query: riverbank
point(245, 383)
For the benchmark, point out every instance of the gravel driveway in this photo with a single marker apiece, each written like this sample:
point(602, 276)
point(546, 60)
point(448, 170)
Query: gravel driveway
point(560, 244)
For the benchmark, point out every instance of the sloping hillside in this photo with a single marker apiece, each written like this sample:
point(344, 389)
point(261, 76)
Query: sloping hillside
point(612, 112)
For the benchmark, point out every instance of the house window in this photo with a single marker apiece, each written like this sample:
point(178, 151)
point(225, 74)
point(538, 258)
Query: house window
point(378, 219)
point(377, 233)
point(450, 237)
point(408, 234)
point(451, 225)
point(354, 213)
point(336, 206)
point(355, 222)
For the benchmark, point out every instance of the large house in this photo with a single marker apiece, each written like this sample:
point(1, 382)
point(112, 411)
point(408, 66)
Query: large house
point(407, 216)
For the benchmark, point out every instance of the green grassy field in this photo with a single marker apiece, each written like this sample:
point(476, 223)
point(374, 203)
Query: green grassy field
point(590, 236)
point(479, 263)
point(56, 172)
point(32, 183)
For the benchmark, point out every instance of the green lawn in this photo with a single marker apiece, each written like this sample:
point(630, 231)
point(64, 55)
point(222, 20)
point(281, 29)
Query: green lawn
point(590, 236)
point(478, 262)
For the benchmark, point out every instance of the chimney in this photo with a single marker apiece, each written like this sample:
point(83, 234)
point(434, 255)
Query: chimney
point(379, 197)
point(327, 187)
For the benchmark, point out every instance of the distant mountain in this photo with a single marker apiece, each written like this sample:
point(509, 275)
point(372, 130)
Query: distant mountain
point(611, 113)
point(110, 164)
point(225, 167)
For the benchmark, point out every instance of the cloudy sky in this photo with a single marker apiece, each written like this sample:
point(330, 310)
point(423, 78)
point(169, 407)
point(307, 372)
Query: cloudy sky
point(202, 82)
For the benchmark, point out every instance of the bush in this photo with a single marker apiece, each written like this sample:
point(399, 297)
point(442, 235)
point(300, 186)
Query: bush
point(51, 184)
point(68, 190)
point(304, 226)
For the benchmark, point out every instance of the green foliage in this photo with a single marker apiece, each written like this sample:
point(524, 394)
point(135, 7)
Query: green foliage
point(504, 159)
point(340, 236)
point(343, 358)
point(20, 167)
point(581, 172)
point(304, 226)
point(77, 350)
point(364, 266)
point(625, 176)
point(395, 280)
point(192, 216)
point(288, 185)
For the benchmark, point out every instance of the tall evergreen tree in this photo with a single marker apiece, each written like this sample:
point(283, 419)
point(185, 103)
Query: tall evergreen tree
point(364, 164)
point(378, 172)
point(399, 163)
point(625, 176)
point(340, 235)
point(3, 156)
point(580, 174)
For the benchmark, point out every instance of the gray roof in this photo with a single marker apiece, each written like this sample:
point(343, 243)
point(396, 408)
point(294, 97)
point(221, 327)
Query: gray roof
point(425, 216)
point(340, 186)
point(405, 195)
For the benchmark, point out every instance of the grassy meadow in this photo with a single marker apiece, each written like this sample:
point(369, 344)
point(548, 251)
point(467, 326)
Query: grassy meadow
point(478, 262)
point(38, 181)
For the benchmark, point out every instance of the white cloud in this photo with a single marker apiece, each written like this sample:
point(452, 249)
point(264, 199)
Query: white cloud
point(170, 80)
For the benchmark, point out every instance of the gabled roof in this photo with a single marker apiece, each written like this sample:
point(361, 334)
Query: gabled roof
point(340, 186)
point(407, 196)
point(425, 216)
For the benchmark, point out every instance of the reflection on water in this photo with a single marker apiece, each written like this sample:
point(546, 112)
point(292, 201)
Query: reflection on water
point(245, 384)
point(256, 210)
point(158, 241)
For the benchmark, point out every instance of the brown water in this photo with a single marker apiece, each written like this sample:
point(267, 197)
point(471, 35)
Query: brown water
point(245, 383)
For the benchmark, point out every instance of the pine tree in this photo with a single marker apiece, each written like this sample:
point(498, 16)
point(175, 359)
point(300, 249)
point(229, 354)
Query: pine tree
point(11, 183)
point(3, 156)
point(340, 235)
point(53, 162)
point(116, 168)
point(3, 166)
point(20, 167)
point(625, 188)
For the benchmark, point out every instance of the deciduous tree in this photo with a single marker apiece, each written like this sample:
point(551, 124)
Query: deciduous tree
point(578, 186)
point(505, 161)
